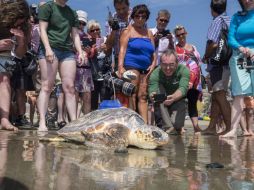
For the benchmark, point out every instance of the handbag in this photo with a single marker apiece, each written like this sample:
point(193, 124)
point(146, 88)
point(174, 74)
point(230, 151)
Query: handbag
point(29, 63)
point(223, 52)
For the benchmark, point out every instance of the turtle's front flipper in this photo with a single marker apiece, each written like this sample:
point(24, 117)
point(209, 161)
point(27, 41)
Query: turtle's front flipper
point(52, 139)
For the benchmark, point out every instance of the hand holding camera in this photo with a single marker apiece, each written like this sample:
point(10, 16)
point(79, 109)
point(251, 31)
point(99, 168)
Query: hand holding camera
point(158, 98)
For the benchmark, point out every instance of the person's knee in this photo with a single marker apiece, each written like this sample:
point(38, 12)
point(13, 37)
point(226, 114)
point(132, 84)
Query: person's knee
point(46, 87)
point(68, 88)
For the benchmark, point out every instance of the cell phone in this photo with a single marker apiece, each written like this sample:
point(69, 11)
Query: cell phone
point(160, 97)
point(86, 42)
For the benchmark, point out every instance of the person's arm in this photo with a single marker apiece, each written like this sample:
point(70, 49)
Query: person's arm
point(44, 38)
point(232, 41)
point(110, 41)
point(123, 46)
point(77, 44)
point(154, 58)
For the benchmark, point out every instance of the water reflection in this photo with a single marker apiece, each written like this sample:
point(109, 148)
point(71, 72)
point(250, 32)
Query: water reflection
point(30, 164)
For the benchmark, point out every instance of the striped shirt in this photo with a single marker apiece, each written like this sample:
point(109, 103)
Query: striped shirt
point(215, 27)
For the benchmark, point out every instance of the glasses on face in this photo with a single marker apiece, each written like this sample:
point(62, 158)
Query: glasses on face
point(179, 35)
point(163, 20)
point(143, 17)
point(167, 66)
point(82, 23)
point(95, 30)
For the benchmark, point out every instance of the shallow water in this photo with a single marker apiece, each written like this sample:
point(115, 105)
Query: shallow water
point(26, 163)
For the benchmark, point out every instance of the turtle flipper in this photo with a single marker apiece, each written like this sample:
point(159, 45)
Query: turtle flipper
point(52, 139)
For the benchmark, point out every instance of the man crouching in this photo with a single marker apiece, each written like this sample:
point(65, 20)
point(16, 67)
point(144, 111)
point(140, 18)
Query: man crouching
point(168, 85)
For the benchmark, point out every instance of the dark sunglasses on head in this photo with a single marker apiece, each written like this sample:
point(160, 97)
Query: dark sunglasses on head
point(182, 34)
point(82, 23)
point(95, 30)
point(163, 20)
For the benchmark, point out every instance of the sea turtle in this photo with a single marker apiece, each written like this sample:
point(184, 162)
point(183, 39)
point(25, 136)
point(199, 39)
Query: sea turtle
point(114, 128)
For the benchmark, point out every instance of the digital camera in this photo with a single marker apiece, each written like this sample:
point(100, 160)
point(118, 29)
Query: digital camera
point(245, 62)
point(126, 88)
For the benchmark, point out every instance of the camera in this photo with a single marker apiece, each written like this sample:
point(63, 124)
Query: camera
point(114, 24)
point(126, 88)
point(86, 42)
point(159, 98)
point(164, 33)
point(245, 62)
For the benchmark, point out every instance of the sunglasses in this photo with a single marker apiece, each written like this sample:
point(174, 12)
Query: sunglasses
point(95, 30)
point(140, 17)
point(179, 35)
point(82, 23)
point(163, 20)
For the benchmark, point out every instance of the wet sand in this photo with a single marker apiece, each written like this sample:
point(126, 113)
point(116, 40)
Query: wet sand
point(27, 163)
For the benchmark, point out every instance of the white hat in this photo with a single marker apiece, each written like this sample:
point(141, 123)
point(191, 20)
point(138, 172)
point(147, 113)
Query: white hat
point(82, 16)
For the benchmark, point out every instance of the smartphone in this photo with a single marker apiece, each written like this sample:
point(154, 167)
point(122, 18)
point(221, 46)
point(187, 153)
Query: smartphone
point(86, 42)
point(160, 97)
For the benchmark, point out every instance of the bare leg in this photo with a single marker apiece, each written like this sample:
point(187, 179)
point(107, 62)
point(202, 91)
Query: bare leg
point(67, 73)
point(60, 107)
point(32, 101)
point(195, 125)
point(86, 102)
point(142, 98)
point(215, 113)
point(5, 102)
point(236, 114)
point(243, 124)
point(249, 119)
point(48, 75)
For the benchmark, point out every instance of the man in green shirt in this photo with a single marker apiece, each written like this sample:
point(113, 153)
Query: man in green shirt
point(171, 79)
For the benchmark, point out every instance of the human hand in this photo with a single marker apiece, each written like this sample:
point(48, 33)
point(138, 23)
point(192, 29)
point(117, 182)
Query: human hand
point(50, 56)
point(152, 96)
point(120, 72)
point(170, 100)
point(81, 58)
point(19, 34)
point(6, 44)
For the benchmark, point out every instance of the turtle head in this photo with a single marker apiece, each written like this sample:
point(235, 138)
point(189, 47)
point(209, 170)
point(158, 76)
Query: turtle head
point(148, 137)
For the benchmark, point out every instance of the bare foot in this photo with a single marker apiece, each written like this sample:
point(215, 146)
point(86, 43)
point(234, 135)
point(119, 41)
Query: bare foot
point(246, 133)
point(230, 134)
point(251, 132)
point(9, 127)
point(169, 130)
point(197, 133)
point(42, 129)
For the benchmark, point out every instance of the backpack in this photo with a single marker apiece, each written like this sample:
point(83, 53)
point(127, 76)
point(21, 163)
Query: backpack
point(223, 52)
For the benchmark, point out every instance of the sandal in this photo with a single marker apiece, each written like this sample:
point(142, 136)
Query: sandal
point(61, 124)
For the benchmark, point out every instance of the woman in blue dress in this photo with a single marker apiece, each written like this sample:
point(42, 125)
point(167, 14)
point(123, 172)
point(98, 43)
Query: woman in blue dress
point(241, 39)
point(137, 53)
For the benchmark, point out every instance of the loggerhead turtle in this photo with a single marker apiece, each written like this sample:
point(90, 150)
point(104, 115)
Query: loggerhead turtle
point(114, 128)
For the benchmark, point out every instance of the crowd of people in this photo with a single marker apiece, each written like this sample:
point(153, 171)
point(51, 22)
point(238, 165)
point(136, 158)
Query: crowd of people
point(72, 58)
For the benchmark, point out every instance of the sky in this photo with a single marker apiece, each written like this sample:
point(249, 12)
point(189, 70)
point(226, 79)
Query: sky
point(195, 15)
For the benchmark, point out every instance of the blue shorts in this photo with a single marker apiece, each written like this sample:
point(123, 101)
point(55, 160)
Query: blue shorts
point(61, 55)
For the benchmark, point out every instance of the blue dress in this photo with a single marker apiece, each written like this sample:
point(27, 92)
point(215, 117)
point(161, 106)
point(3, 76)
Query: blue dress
point(241, 33)
point(139, 53)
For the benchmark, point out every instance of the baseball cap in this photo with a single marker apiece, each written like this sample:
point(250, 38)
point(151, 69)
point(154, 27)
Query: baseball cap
point(82, 16)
